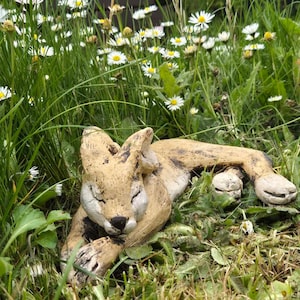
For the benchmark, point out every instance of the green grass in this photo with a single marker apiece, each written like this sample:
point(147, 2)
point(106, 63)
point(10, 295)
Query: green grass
point(201, 253)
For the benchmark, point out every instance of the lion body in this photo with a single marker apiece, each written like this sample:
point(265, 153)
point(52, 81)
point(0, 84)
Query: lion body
point(127, 192)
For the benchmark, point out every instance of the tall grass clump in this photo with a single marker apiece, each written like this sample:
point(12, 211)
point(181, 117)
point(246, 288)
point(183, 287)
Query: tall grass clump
point(223, 73)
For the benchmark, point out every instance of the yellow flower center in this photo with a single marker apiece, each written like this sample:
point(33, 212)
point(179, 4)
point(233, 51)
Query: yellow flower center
point(268, 36)
point(248, 53)
point(43, 50)
point(201, 19)
point(173, 102)
point(116, 58)
point(171, 53)
point(151, 70)
point(35, 37)
point(119, 41)
point(35, 58)
point(178, 40)
point(78, 3)
point(2, 95)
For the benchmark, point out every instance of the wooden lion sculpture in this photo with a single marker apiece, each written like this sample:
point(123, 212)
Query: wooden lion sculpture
point(127, 191)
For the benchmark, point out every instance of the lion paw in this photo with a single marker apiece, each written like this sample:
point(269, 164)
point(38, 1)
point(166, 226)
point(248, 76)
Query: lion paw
point(275, 189)
point(228, 183)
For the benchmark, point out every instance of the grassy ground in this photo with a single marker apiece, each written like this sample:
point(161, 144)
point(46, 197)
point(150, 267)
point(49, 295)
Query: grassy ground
point(57, 76)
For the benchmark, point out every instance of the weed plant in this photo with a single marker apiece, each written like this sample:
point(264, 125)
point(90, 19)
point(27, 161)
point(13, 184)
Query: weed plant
point(227, 75)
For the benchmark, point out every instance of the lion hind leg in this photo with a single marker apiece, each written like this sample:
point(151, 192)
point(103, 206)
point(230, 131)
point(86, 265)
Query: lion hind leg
point(274, 189)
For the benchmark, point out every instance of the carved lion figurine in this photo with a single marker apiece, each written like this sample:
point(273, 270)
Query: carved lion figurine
point(127, 191)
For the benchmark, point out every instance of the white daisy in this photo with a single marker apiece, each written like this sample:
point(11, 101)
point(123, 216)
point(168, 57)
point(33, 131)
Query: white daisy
point(251, 37)
point(118, 40)
point(148, 70)
point(33, 173)
point(201, 19)
point(275, 98)
point(172, 66)
point(247, 227)
point(169, 53)
point(56, 27)
point(5, 93)
point(209, 44)
point(223, 36)
point(77, 14)
point(154, 49)
point(191, 49)
point(254, 47)
point(116, 58)
point(34, 2)
point(192, 29)
point(167, 24)
point(150, 9)
point(156, 32)
point(250, 29)
point(104, 51)
point(174, 103)
point(46, 51)
point(3, 14)
point(58, 189)
point(194, 111)
point(73, 3)
point(139, 14)
point(178, 41)
point(41, 19)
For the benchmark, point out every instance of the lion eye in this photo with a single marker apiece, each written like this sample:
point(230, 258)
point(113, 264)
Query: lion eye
point(96, 194)
point(135, 195)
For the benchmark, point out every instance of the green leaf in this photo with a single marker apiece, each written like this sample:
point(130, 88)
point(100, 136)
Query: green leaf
point(290, 26)
point(139, 251)
point(57, 215)
point(218, 257)
point(26, 218)
point(44, 197)
point(280, 290)
point(47, 239)
point(170, 87)
point(5, 266)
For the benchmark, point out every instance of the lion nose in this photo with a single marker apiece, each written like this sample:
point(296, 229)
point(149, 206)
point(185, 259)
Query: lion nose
point(118, 222)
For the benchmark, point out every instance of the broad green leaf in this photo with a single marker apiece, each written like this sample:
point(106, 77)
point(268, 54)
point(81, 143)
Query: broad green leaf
point(5, 266)
point(218, 257)
point(47, 239)
point(170, 87)
point(26, 218)
point(290, 26)
point(196, 263)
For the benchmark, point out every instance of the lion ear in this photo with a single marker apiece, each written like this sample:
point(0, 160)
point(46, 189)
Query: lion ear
point(96, 149)
point(136, 151)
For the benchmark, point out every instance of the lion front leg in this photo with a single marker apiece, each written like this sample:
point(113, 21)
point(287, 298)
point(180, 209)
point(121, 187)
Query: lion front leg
point(94, 259)
point(96, 252)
